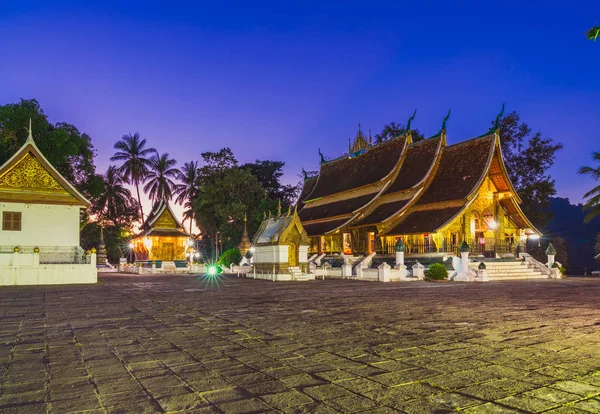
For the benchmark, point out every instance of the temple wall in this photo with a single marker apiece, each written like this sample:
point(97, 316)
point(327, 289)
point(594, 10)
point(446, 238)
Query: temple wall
point(42, 225)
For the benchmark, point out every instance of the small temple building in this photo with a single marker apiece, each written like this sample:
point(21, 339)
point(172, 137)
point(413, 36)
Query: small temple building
point(162, 237)
point(39, 233)
point(431, 195)
point(281, 248)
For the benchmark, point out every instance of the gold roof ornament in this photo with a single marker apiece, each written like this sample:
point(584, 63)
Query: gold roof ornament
point(279, 208)
point(360, 141)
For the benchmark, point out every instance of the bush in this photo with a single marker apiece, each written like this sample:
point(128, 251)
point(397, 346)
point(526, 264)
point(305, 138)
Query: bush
point(230, 256)
point(437, 271)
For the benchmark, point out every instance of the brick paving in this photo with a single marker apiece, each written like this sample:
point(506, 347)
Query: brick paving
point(181, 344)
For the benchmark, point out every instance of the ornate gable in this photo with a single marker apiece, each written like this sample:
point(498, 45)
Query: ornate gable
point(166, 220)
point(28, 177)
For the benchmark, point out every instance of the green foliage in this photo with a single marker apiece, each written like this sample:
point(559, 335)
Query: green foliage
point(436, 271)
point(160, 184)
point(592, 205)
point(66, 148)
point(114, 205)
point(231, 256)
point(538, 252)
point(593, 33)
point(115, 240)
point(393, 130)
point(528, 157)
point(269, 174)
point(132, 151)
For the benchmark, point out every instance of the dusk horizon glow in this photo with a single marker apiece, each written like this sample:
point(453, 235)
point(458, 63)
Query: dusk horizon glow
point(280, 81)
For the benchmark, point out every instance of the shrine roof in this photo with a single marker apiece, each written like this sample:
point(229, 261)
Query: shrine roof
point(461, 168)
point(382, 212)
point(165, 233)
point(307, 188)
point(337, 208)
point(419, 160)
point(425, 221)
point(317, 229)
point(346, 173)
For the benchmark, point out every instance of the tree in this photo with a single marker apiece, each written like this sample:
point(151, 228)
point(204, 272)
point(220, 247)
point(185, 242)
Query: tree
point(393, 130)
point(66, 148)
point(115, 205)
point(528, 157)
point(593, 33)
point(160, 184)
point(187, 190)
point(216, 163)
point(592, 205)
point(268, 174)
point(131, 150)
point(222, 203)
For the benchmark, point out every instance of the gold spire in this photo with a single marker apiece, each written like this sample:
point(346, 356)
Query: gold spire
point(279, 209)
point(244, 245)
point(360, 141)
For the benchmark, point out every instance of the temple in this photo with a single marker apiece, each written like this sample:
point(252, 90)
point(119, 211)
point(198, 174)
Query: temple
point(431, 195)
point(162, 237)
point(39, 237)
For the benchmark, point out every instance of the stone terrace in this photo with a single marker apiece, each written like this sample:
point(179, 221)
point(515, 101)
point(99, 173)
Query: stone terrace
point(164, 344)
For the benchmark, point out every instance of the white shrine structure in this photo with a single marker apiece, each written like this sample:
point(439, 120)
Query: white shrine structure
point(39, 235)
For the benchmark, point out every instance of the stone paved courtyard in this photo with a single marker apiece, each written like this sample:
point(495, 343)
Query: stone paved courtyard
point(163, 344)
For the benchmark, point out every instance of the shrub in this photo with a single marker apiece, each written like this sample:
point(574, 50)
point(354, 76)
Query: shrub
point(230, 256)
point(437, 271)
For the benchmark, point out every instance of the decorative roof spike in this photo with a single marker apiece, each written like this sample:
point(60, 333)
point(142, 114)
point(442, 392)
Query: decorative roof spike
point(296, 209)
point(279, 208)
point(305, 174)
point(30, 136)
point(264, 215)
point(446, 120)
point(359, 132)
point(410, 120)
point(322, 157)
point(349, 145)
point(400, 246)
point(289, 210)
point(497, 123)
point(550, 251)
point(370, 137)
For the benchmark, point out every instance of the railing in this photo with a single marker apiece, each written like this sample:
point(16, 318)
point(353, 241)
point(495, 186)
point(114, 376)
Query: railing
point(489, 247)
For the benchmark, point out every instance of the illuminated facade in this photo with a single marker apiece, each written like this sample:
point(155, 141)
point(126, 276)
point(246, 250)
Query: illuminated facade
point(162, 237)
point(430, 195)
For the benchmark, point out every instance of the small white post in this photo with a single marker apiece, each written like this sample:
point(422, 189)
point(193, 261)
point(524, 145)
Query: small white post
point(346, 267)
point(418, 271)
point(93, 257)
point(463, 274)
point(384, 273)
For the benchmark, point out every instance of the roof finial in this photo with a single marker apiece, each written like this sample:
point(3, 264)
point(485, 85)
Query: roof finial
point(410, 120)
point(245, 218)
point(370, 137)
point(289, 210)
point(445, 119)
point(30, 136)
point(279, 208)
point(305, 174)
point(359, 131)
point(497, 123)
point(322, 157)
point(349, 145)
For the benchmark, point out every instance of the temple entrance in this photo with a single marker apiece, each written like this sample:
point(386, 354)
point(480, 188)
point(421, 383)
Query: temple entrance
point(293, 253)
point(167, 252)
point(480, 242)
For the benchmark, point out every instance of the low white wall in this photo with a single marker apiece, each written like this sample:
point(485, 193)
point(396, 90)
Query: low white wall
point(271, 254)
point(48, 274)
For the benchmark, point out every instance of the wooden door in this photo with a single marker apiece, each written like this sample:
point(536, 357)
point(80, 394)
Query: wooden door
point(168, 252)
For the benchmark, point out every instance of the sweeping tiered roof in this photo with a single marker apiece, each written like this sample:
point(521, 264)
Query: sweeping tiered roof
point(406, 188)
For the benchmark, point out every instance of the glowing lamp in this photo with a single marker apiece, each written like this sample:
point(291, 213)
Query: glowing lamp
point(493, 224)
point(212, 270)
point(534, 236)
point(130, 245)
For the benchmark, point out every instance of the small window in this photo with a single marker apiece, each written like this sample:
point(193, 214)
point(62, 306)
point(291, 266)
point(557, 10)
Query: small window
point(11, 220)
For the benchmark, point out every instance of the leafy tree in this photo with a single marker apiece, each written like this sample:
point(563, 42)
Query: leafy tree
point(223, 201)
point(392, 130)
point(528, 157)
point(131, 150)
point(187, 190)
point(593, 33)
point(231, 256)
point(160, 184)
point(592, 205)
point(66, 148)
point(216, 163)
point(268, 174)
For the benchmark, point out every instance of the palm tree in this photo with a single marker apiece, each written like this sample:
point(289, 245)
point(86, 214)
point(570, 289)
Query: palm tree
point(592, 204)
point(130, 150)
point(160, 185)
point(115, 198)
point(188, 189)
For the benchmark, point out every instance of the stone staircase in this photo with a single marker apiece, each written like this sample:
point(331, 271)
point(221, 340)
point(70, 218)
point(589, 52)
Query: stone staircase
point(510, 270)
point(297, 273)
point(169, 266)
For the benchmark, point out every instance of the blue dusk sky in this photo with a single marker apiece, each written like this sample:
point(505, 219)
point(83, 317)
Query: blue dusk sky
point(279, 80)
